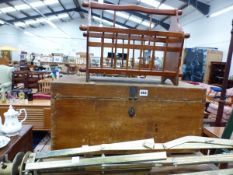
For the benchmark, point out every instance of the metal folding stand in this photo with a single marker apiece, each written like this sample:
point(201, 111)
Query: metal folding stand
point(155, 156)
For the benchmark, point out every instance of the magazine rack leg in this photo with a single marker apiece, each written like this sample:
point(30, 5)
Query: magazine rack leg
point(174, 80)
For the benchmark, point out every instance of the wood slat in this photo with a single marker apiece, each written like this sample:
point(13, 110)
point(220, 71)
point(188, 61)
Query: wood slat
point(128, 50)
point(141, 52)
point(115, 47)
point(102, 50)
point(131, 46)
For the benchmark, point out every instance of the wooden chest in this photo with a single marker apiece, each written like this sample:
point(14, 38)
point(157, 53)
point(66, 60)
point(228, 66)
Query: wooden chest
point(88, 113)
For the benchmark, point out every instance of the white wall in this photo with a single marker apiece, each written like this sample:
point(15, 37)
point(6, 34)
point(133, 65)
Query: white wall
point(47, 40)
point(209, 32)
point(54, 40)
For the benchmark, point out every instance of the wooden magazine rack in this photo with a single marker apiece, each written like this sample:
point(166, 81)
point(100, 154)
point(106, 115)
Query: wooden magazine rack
point(128, 42)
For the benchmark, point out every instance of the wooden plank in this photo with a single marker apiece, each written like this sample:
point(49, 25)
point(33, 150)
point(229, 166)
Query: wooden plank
point(213, 172)
point(77, 162)
point(193, 139)
point(133, 145)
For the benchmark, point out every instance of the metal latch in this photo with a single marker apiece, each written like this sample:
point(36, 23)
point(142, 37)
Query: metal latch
point(133, 91)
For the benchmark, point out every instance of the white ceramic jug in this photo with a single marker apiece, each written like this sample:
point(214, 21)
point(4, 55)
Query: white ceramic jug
point(12, 125)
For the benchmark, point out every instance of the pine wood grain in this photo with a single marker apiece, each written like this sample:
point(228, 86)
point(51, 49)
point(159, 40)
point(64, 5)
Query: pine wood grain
point(95, 113)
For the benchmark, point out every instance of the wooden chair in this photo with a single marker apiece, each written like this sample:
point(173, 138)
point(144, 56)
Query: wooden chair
point(131, 40)
point(45, 85)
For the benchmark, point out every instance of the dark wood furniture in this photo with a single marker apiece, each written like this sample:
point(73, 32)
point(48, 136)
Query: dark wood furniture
point(130, 41)
point(28, 78)
point(19, 77)
point(216, 74)
point(217, 70)
point(38, 113)
point(88, 113)
point(19, 143)
point(225, 82)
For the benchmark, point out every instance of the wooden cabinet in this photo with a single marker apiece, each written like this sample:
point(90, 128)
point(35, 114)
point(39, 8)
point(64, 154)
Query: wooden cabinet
point(38, 113)
point(28, 78)
point(88, 113)
point(217, 70)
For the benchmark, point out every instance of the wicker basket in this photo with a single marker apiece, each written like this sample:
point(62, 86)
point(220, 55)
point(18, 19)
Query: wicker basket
point(45, 85)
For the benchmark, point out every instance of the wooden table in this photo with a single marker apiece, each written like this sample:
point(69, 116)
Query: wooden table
point(214, 132)
point(38, 112)
point(19, 143)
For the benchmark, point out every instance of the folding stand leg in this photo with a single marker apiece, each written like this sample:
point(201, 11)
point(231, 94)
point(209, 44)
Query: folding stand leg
point(226, 135)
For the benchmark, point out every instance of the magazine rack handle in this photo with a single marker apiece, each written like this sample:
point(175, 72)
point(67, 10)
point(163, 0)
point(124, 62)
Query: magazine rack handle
point(95, 5)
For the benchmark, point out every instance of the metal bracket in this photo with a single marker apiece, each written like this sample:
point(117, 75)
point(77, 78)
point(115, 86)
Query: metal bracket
point(133, 91)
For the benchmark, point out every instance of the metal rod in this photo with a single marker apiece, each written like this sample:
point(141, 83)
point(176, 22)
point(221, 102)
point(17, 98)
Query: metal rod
point(218, 121)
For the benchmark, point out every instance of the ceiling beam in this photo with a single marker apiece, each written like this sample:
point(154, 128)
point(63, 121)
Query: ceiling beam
point(24, 13)
point(163, 1)
point(136, 26)
point(64, 8)
point(64, 11)
point(107, 19)
point(140, 15)
point(200, 6)
point(167, 17)
point(14, 17)
point(46, 14)
point(78, 7)
point(51, 10)
point(5, 1)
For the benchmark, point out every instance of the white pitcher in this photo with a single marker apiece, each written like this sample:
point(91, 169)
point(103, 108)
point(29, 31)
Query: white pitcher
point(12, 125)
